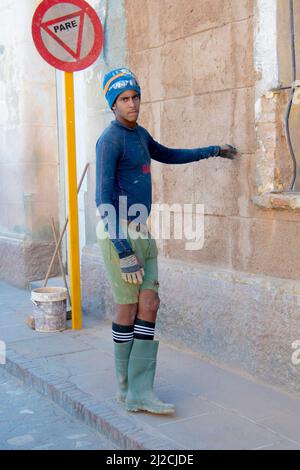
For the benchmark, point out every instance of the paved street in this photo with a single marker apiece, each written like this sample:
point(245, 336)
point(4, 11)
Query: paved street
point(29, 421)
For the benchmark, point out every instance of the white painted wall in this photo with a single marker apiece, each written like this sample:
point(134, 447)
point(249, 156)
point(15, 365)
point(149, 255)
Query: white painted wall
point(265, 49)
point(92, 112)
point(28, 128)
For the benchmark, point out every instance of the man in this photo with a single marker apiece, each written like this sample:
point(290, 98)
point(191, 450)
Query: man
point(123, 188)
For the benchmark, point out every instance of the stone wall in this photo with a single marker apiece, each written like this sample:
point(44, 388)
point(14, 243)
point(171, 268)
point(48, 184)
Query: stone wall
point(195, 61)
point(207, 69)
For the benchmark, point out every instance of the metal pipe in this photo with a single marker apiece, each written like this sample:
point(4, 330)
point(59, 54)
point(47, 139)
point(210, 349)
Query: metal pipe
point(283, 88)
point(290, 102)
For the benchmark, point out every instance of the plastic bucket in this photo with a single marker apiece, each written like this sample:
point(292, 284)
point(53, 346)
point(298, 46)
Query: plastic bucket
point(49, 308)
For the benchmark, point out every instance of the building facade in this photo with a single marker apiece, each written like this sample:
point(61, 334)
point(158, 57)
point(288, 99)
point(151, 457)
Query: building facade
point(211, 72)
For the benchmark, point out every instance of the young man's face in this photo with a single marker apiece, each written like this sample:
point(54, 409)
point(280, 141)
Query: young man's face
point(127, 107)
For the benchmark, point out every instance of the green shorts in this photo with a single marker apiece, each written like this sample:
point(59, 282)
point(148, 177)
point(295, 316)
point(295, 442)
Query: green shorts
point(146, 250)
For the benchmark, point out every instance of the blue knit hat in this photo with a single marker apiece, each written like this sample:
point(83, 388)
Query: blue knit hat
point(117, 81)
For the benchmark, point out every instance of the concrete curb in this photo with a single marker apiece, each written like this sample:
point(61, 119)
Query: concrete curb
point(122, 430)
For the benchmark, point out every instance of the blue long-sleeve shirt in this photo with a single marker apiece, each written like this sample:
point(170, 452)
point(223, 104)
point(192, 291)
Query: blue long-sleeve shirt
point(123, 168)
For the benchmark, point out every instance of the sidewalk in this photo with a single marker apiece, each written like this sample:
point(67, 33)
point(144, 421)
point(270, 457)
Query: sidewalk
point(216, 408)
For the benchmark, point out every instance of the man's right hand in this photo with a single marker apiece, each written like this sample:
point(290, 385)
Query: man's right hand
point(132, 270)
point(228, 151)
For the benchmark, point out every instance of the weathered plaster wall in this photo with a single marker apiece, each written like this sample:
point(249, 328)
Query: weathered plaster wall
point(273, 62)
point(204, 66)
point(284, 47)
point(285, 73)
point(93, 114)
point(28, 148)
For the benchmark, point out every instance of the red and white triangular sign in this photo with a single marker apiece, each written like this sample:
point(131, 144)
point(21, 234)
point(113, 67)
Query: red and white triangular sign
point(67, 32)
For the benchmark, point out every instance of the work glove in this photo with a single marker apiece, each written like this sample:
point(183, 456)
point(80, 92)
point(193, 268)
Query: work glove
point(132, 270)
point(228, 151)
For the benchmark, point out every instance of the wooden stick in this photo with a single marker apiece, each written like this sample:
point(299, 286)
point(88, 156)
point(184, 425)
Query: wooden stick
point(60, 261)
point(64, 229)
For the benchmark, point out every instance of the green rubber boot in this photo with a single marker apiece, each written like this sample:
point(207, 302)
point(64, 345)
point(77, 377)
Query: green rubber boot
point(141, 372)
point(122, 353)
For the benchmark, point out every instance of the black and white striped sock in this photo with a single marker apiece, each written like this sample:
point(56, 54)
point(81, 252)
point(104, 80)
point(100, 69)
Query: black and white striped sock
point(122, 333)
point(143, 329)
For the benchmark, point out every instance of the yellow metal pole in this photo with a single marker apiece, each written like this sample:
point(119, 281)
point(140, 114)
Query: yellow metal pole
point(72, 204)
